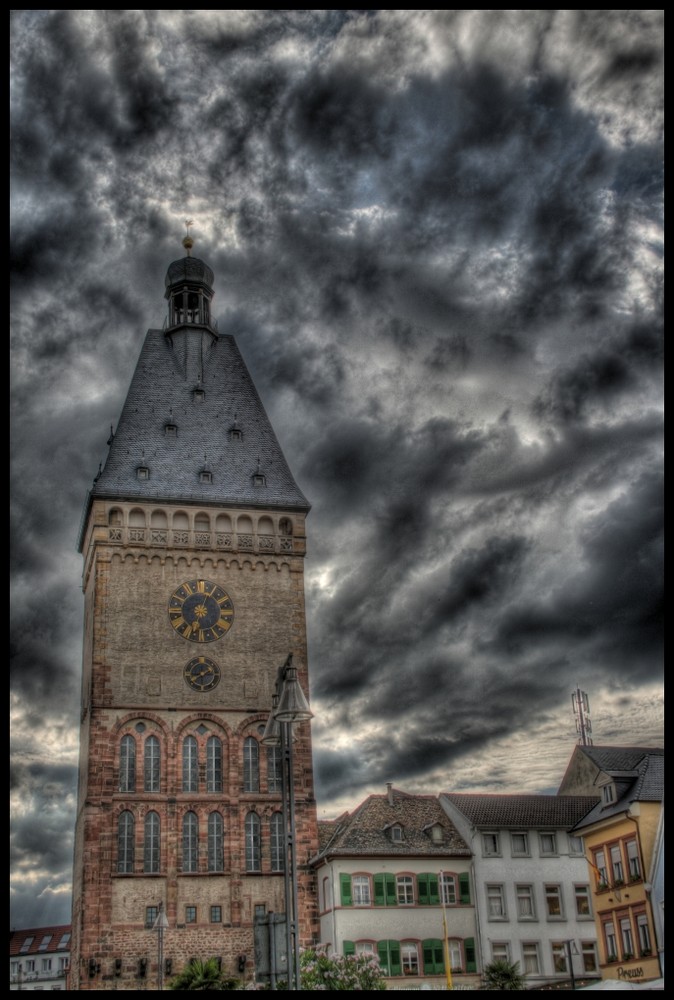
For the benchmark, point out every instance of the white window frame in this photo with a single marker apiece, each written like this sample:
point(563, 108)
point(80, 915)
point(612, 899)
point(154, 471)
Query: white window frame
point(523, 892)
point(542, 836)
point(500, 951)
point(491, 844)
point(553, 891)
point(405, 890)
point(361, 890)
point(531, 949)
point(589, 950)
point(524, 853)
point(496, 891)
point(582, 894)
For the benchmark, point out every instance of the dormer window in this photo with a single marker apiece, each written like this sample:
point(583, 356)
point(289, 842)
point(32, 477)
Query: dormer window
point(235, 434)
point(396, 833)
point(436, 833)
point(199, 395)
point(142, 472)
point(259, 479)
point(205, 476)
point(608, 794)
point(170, 430)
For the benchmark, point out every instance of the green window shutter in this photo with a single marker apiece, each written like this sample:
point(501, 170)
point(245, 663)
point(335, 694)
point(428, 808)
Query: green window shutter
point(464, 887)
point(379, 891)
point(394, 952)
point(433, 956)
point(433, 892)
point(382, 951)
point(422, 889)
point(391, 890)
point(469, 948)
point(349, 948)
point(345, 886)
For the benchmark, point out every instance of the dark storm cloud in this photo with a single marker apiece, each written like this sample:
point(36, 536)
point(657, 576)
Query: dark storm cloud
point(436, 236)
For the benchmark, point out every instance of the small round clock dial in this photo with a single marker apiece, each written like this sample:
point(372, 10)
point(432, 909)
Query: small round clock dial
point(201, 674)
point(200, 611)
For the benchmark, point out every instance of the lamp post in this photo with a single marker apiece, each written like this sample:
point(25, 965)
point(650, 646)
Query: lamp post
point(571, 950)
point(160, 925)
point(289, 706)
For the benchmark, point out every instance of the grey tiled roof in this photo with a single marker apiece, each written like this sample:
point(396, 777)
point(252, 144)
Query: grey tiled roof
point(161, 392)
point(365, 832)
point(611, 759)
point(646, 784)
point(554, 811)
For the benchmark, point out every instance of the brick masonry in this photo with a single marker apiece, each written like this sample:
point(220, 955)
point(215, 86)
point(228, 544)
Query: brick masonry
point(133, 685)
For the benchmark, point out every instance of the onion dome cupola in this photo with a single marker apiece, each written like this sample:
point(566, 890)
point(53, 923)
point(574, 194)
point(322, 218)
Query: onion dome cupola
point(189, 290)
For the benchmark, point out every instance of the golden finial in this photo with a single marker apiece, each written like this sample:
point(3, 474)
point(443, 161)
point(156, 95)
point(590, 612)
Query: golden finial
point(188, 241)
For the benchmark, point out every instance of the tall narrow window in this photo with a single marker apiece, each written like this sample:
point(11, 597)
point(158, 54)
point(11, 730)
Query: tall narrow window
point(215, 843)
point(151, 844)
point(617, 863)
point(274, 761)
point(190, 765)
point(633, 865)
point(214, 764)
point(410, 959)
point(127, 764)
point(251, 765)
point(644, 934)
point(252, 841)
point(448, 888)
point(531, 965)
point(125, 843)
point(190, 841)
point(626, 937)
point(277, 842)
point(151, 768)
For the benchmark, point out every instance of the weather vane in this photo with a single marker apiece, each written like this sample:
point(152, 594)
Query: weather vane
point(188, 241)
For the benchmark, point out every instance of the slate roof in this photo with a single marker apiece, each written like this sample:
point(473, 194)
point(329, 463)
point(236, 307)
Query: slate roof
point(17, 939)
point(646, 783)
point(365, 831)
point(171, 365)
point(554, 811)
point(612, 759)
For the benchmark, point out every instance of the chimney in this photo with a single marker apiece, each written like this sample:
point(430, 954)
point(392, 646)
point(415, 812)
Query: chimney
point(389, 792)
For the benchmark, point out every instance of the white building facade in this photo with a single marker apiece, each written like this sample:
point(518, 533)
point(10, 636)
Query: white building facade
point(39, 958)
point(533, 895)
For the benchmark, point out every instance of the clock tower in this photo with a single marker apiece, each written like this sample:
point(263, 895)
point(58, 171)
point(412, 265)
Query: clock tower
point(193, 540)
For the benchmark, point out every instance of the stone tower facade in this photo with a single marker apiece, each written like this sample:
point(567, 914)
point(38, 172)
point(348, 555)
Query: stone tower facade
point(193, 540)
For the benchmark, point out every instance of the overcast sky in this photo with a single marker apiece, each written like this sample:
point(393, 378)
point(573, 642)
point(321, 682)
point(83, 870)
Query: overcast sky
point(437, 238)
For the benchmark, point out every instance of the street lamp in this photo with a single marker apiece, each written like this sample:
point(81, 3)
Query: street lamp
point(160, 925)
point(571, 950)
point(289, 706)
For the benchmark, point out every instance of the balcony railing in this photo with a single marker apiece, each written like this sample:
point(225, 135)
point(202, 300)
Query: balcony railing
point(199, 539)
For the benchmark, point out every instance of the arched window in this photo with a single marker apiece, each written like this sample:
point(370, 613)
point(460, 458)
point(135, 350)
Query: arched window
point(190, 765)
point(127, 764)
point(213, 764)
point(274, 773)
point(190, 842)
point(151, 844)
point(151, 766)
point(252, 842)
point(125, 842)
point(277, 842)
point(215, 843)
point(251, 765)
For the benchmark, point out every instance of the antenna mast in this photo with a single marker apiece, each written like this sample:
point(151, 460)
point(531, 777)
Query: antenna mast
point(581, 710)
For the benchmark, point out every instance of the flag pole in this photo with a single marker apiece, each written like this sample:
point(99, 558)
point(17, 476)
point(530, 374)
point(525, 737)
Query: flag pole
point(445, 941)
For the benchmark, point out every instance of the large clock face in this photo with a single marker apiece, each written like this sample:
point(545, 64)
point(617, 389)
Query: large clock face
point(202, 674)
point(200, 611)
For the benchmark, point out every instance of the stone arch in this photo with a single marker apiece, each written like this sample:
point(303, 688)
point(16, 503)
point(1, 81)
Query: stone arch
point(136, 518)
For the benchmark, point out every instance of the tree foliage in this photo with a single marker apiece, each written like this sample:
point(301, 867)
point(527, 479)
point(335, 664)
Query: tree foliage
point(203, 975)
point(502, 975)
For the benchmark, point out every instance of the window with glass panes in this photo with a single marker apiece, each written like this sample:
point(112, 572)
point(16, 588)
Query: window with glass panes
point(644, 933)
point(610, 940)
point(616, 863)
point(151, 765)
point(455, 954)
point(190, 841)
point(531, 965)
point(125, 843)
point(495, 902)
point(405, 890)
point(253, 848)
point(525, 902)
point(214, 764)
point(500, 951)
point(190, 765)
point(409, 954)
point(626, 939)
point(251, 765)
point(633, 863)
point(589, 952)
point(553, 900)
point(216, 842)
point(519, 844)
point(277, 842)
point(274, 773)
point(360, 887)
point(127, 764)
point(582, 894)
point(151, 844)
point(559, 956)
point(447, 884)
